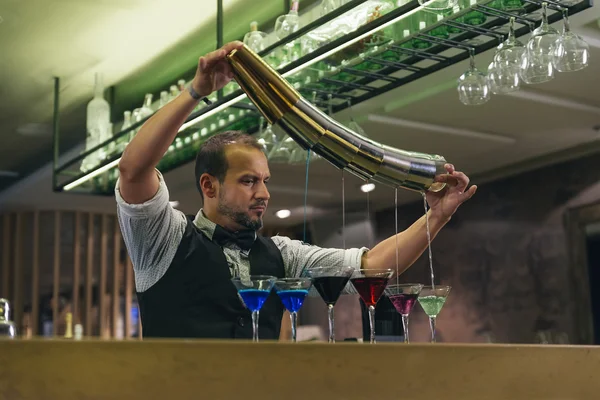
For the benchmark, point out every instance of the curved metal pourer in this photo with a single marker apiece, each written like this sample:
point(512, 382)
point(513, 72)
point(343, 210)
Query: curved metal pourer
point(312, 129)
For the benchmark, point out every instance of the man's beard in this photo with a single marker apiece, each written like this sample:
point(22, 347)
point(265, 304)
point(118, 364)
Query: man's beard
point(239, 217)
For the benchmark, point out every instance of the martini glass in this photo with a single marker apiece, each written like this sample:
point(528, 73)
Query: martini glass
point(404, 297)
point(330, 282)
point(292, 292)
point(432, 300)
point(370, 285)
point(253, 291)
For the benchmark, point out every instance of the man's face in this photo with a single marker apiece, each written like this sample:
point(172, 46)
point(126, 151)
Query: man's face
point(243, 195)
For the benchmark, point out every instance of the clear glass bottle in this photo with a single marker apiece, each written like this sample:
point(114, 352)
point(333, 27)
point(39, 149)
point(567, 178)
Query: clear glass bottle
point(173, 92)
point(146, 109)
point(124, 140)
point(255, 39)
point(135, 118)
point(284, 26)
point(328, 6)
point(288, 23)
point(164, 99)
point(97, 125)
point(181, 85)
point(7, 327)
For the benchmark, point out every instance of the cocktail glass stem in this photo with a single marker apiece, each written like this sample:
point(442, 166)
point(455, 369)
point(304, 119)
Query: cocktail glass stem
point(294, 319)
point(405, 326)
point(432, 325)
point(372, 323)
point(331, 323)
point(255, 326)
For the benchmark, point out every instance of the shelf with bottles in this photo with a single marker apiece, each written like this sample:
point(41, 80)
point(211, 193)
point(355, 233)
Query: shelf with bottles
point(329, 20)
point(396, 44)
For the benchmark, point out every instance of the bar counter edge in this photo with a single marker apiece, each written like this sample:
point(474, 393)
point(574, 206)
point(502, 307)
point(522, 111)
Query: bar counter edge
point(204, 369)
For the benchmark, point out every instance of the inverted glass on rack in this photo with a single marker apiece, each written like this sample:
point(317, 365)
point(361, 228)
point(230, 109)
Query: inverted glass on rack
point(254, 291)
point(536, 63)
point(473, 88)
point(503, 72)
point(570, 52)
point(432, 299)
point(330, 282)
point(370, 285)
point(404, 297)
point(292, 292)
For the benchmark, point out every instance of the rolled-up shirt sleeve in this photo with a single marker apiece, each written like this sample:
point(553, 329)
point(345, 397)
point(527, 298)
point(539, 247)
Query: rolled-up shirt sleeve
point(151, 232)
point(299, 257)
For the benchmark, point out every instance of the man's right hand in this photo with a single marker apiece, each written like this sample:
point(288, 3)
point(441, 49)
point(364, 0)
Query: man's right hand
point(214, 71)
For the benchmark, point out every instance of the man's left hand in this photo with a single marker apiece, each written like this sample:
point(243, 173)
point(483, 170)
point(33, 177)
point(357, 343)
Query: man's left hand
point(444, 203)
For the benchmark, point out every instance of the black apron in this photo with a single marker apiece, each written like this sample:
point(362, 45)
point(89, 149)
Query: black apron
point(196, 298)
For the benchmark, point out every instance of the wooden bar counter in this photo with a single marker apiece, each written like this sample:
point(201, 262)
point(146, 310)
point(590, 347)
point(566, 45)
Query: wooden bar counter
point(69, 370)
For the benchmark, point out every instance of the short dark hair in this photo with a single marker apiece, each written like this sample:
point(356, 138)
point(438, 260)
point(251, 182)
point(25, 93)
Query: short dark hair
point(211, 154)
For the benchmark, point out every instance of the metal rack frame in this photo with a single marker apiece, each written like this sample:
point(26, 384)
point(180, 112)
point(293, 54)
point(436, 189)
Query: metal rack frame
point(360, 89)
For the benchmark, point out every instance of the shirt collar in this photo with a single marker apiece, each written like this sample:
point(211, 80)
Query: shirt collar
point(206, 226)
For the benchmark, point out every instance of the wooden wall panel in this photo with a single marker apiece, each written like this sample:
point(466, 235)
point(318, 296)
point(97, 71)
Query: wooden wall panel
point(103, 274)
point(56, 274)
point(89, 275)
point(6, 252)
point(128, 296)
point(35, 275)
point(117, 268)
point(37, 251)
point(17, 304)
point(77, 245)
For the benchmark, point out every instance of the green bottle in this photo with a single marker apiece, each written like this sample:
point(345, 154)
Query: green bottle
point(453, 29)
point(442, 30)
point(512, 6)
point(474, 17)
point(418, 43)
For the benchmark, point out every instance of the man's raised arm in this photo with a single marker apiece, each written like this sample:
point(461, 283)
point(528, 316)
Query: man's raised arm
point(138, 179)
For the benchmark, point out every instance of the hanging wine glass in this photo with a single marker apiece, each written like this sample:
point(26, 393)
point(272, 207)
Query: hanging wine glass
point(503, 72)
point(473, 87)
point(536, 63)
point(570, 51)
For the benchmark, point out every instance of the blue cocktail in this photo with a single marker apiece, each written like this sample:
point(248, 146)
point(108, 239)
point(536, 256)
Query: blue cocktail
point(253, 291)
point(292, 292)
point(254, 298)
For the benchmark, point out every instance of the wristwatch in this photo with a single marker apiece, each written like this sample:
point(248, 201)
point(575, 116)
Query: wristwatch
point(196, 96)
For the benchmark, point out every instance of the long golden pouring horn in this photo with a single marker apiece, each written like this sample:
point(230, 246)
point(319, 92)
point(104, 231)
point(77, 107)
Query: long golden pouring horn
point(282, 105)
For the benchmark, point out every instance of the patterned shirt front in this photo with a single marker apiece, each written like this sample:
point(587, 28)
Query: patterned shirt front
point(152, 232)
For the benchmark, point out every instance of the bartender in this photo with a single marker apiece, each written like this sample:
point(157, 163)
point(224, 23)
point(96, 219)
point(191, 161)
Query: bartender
point(183, 264)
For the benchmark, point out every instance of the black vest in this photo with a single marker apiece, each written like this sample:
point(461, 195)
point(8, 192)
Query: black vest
point(196, 298)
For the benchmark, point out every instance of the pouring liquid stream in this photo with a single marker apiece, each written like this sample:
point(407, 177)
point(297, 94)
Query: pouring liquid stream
point(428, 239)
point(343, 212)
point(396, 230)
